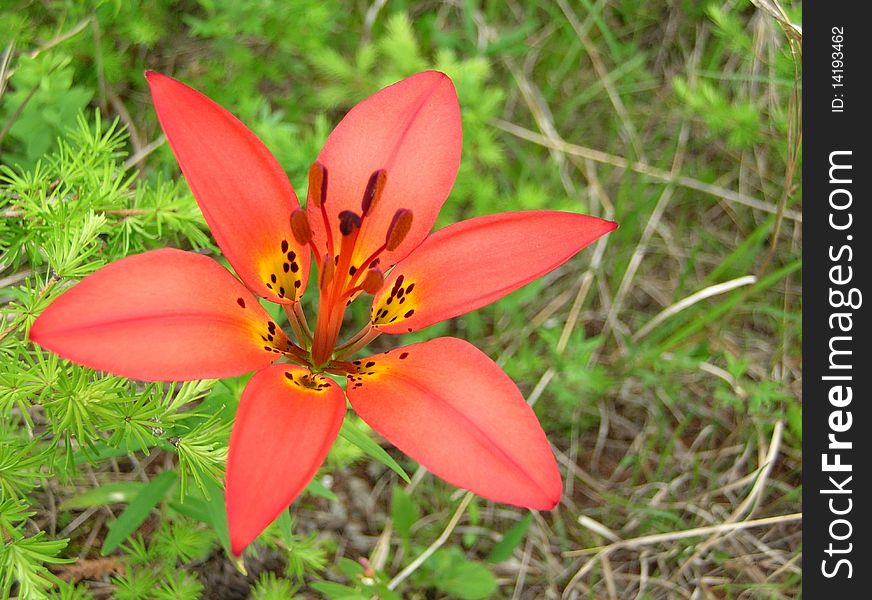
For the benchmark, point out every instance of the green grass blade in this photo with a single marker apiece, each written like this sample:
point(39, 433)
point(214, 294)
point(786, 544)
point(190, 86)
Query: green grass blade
point(503, 549)
point(371, 448)
point(137, 511)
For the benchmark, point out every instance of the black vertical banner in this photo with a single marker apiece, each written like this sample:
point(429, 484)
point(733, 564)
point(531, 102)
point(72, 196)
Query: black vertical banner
point(837, 425)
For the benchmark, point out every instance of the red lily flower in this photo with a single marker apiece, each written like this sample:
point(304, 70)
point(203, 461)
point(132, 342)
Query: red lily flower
point(374, 194)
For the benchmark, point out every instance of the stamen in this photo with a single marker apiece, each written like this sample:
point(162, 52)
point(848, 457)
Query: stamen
point(373, 281)
point(398, 229)
point(349, 221)
point(300, 227)
point(317, 194)
point(326, 271)
point(374, 189)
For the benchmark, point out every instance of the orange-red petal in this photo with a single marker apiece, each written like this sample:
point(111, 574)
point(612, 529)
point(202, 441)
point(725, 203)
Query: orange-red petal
point(452, 409)
point(165, 315)
point(242, 190)
point(286, 422)
point(411, 130)
point(472, 263)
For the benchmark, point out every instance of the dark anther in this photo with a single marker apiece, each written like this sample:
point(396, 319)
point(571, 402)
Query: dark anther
point(374, 188)
point(317, 194)
point(240, 302)
point(398, 229)
point(373, 281)
point(348, 222)
point(352, 270)
point(300, 228)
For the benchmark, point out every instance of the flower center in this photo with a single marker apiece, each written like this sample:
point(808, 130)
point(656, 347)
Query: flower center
point(309, 381)
point(339, 280)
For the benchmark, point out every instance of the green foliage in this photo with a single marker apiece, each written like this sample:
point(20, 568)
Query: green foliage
point(352, 432)
point(739, 121)
point(452, 573)
point(271, 587)
point(41, 102)
point(138, 510)
point(512, 538)
point(22, 557)
point(404, 513)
